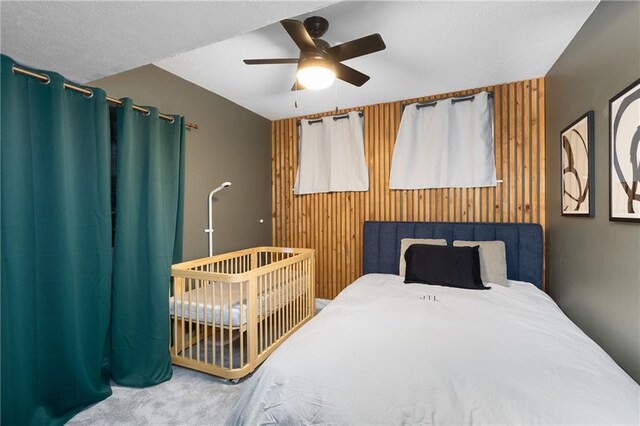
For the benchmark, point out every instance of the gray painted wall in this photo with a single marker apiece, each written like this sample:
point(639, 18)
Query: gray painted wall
point(594, 264)
point(232, 144)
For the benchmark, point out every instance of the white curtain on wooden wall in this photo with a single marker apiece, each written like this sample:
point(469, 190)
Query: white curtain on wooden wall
point(331, 156)
point(445, 144)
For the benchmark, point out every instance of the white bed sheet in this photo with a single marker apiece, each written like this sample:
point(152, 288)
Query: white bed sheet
point(384, 353)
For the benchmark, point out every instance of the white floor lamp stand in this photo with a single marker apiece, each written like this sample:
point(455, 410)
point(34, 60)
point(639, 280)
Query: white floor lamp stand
point(209, 230)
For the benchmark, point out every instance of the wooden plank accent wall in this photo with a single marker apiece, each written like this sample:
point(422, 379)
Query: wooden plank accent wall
point(332, 223)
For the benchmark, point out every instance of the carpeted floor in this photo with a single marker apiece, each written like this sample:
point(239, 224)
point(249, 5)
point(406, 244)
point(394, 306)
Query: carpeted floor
point(189, 398)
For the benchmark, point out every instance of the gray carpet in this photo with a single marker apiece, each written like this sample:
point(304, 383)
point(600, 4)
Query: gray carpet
point(189, 398)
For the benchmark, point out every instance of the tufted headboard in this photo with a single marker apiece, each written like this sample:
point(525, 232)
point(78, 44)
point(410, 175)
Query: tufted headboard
point(381, 251)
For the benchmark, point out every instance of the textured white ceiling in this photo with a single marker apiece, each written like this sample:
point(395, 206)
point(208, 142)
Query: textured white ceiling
point(432, 47)
point(85, 41)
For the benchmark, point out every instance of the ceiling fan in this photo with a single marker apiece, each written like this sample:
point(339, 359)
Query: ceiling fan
point(319, 64)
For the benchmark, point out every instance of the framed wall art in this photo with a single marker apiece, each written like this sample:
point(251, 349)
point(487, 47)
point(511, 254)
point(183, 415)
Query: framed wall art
point(624, 153)
point(577, 167)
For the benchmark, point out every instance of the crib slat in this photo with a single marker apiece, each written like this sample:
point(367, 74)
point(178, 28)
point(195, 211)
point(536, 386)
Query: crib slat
point(299, 283)
point(288, 300)
point(272, 311)
point(285, 310)
point(253, 320)
point(278, 310)
point(182, 318)
point(176, 285)
point(221, 325)
point(243, 303)
point(213, 323)
point(289, 297)
point(205, 322)
point(283, 293)
point(283, 302)
point(197, 287)
point(230, 325)
point(294, 293)
point(259, 310)
point(190, 316)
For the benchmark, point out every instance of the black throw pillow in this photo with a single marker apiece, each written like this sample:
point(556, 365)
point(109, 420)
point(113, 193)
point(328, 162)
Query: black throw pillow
point(444, 265)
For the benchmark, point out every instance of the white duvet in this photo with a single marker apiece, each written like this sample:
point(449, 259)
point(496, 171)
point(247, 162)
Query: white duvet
point(384, 352)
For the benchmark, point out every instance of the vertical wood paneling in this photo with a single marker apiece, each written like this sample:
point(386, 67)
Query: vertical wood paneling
point(332, 223)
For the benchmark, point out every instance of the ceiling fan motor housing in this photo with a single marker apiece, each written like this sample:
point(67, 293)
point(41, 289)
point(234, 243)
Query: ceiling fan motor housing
point(316, 26)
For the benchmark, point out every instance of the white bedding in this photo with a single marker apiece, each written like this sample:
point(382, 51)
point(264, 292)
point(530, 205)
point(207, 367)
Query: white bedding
point(383, 353)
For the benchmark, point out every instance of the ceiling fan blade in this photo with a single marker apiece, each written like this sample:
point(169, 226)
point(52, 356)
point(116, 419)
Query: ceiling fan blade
point(359, 47)
point(299, 34)
point(271, 61)
point(350, 75)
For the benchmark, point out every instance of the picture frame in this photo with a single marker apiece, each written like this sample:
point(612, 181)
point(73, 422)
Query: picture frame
point(577, 168)
point(624, 155)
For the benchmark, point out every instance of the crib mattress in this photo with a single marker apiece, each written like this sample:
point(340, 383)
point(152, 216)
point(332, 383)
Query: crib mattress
point(222, 309)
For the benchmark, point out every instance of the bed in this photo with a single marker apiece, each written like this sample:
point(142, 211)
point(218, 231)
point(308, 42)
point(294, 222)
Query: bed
point(385, 352)
point(229, 312)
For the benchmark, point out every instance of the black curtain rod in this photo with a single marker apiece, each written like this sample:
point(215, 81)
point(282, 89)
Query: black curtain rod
point(335, 118)
point(454, 100)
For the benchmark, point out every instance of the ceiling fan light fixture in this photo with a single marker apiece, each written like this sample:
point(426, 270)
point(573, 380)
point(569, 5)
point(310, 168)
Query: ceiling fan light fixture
point(315, 74)
point(319, 63)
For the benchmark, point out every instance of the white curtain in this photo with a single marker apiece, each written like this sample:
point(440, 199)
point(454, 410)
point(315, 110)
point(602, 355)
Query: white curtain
point(331, 156)
point(445, 145)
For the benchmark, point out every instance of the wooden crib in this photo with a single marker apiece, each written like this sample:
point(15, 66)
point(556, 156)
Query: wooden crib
point(229, 312)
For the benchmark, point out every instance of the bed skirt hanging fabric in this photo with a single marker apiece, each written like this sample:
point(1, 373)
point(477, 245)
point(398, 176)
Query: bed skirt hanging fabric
point(331, 156)
point(445, 144)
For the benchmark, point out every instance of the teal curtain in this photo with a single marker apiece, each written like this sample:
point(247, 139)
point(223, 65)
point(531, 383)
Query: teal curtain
point(148, 239)
point(56, 249)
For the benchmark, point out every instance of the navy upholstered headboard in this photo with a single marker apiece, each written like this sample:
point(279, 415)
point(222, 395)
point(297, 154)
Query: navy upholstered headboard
point(523, 242)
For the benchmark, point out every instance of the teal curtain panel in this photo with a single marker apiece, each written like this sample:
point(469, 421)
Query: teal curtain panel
point(148, 238)
point(56, 249)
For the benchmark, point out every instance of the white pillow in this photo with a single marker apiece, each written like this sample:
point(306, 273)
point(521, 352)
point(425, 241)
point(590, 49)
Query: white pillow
point(405, 243)
point(493, 260)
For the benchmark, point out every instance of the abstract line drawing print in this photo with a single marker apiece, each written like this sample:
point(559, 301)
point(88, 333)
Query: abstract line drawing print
point(625, 156)
point(576, 167)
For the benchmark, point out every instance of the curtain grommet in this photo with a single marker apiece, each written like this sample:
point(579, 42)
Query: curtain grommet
point(173, 120)
point(147, 113)
point(88, 96)
point(48, 79)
